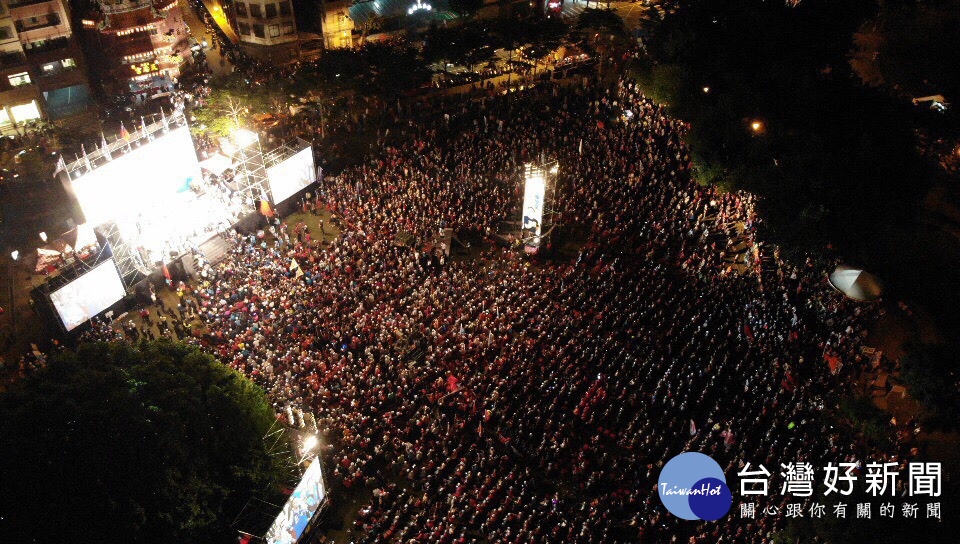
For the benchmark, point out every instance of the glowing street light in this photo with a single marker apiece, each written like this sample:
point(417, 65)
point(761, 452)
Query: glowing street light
point(706, 90)
point(43, 236)
point(757, 126)
point(15, 254)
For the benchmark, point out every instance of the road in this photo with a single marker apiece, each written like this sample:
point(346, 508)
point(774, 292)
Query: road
point(198, 30)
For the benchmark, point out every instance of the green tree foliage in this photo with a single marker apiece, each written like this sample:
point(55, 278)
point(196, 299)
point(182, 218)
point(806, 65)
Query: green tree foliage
point(832, 160)
point(232, 100)
point(115, 443)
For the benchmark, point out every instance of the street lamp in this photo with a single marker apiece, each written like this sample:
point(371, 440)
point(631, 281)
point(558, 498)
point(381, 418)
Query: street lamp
point(43, 236)
point(757, 126)
point(706, 90)
point(15, 254)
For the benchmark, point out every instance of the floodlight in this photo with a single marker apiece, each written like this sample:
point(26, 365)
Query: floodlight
point(245, 138)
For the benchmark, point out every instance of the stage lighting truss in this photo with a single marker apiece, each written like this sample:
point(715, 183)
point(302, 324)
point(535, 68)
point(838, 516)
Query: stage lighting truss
point(130, 262)
point(252, 181)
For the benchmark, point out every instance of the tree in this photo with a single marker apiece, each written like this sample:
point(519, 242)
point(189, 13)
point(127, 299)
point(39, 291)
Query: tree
point(116, 443)
point(232, 99)
point(830, 158)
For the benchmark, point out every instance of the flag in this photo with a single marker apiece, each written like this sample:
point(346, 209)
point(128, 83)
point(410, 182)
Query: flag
point(265, 209)
point(105, 147)
point(61, 166)
point(123, 132)
point(166, 272)
point(295, 268)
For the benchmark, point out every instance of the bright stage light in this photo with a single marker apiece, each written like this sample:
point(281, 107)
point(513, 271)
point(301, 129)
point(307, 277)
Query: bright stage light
point(245, 138)
point(310, 442)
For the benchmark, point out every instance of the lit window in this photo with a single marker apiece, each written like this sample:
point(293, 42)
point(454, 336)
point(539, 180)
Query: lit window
point(274, 31)
point(68, 63)
point(23, 78)
point(49, 67)
point(25, 112)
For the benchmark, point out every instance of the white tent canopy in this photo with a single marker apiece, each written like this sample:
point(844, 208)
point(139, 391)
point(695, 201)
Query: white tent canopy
point(216, 164)
point(855, 283)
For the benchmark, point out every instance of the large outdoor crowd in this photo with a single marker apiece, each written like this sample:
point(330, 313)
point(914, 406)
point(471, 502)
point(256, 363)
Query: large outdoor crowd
point(502, 398)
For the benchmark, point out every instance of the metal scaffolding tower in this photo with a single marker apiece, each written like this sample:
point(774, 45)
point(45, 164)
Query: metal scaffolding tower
point(252, 180)
point(130, 261)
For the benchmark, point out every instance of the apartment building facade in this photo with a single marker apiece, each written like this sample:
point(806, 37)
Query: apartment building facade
point(42, 70)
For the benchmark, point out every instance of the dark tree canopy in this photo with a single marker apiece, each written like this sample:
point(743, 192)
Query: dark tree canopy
point(115, 443)
point(833, 160)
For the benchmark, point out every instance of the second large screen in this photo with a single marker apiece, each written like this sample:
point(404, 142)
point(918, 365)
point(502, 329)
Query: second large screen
point(291, 175)
point(88, 295)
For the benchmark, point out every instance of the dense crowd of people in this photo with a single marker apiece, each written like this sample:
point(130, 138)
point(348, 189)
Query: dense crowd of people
point(497, 398)
point(500, 399)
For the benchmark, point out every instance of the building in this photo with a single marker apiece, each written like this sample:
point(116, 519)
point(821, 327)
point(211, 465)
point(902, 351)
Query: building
point(337, 24)
point(144, 43)
point(265, 22)
point(42, 71)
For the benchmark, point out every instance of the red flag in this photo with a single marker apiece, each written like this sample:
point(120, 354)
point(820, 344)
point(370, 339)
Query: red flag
point(123, 131)
point(166, 273)
point(265, 208)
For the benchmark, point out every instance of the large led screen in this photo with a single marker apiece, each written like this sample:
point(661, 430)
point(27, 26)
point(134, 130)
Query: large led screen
point(149, 177)
point(300, 507)
point(88, 295)
point(533, 195)
point(291, 175)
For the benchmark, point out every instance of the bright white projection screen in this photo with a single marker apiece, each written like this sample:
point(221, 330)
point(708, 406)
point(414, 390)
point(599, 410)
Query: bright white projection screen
point(140, 181)
point(291, 175)
point(88, 295)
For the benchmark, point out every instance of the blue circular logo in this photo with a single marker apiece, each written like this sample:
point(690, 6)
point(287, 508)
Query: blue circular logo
point(692, 486)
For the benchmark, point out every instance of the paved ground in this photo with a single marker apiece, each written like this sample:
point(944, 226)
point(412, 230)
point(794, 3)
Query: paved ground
point(198, 30)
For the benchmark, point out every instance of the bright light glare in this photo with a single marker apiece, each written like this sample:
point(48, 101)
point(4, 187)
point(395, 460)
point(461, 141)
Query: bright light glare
point(310, 442)
point(245, 138)
point(15, 254)
point(756, 126)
